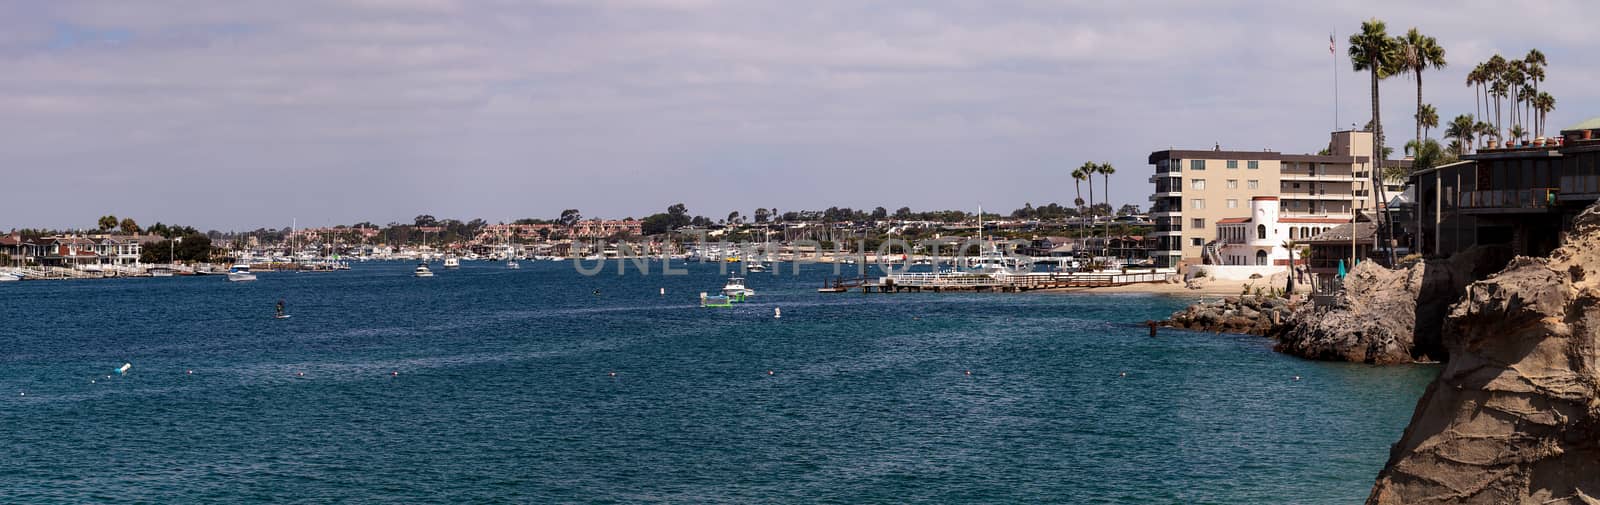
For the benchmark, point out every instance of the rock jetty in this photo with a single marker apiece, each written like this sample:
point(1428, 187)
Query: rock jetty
point(1514, 417)
point(1253, 314)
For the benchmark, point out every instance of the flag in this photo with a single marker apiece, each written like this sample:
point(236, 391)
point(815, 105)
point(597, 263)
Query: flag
point(1333, 47)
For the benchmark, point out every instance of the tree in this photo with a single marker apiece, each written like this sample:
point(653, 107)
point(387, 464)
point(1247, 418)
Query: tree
point(903, 213)
point(1420, 52)
point(1105, 169)
point(880, 214)
point(1544, 103)
point(1463, 128)
point(733, 218)
point(570, 218)
point(761, 215)
point(1428, 119)
point(1475, 80)
point(1290, 245)
point(1373, 51)
point(1128, 209)
point(425, 220)
point(129, 227)
point(1087, 172)
point(1517, 132)
point(107, 222)
point(1427, 154)
point(1536, 62)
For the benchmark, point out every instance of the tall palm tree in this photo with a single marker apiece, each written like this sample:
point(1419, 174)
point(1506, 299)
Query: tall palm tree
point(1475, 80)
point(1105, 170)
point(1373, 51)
point(1290, 245)
point(1427, 118)
point(1496, 68)
point(1463, 128)
point(1420, 52)
point(1080, 175)
point(1516, 78)
point(1535, 62)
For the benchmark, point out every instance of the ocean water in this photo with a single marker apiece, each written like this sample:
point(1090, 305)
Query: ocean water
point(487, 385)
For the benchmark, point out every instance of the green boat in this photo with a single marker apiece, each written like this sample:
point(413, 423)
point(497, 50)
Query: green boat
point(715, 301)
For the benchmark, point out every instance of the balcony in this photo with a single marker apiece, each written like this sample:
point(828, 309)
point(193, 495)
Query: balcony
point(1320, 195)
point(1509, 201)
point(1311, 177)
point(1579, 187)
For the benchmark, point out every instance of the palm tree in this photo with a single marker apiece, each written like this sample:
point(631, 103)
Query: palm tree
point(1536, 62)
point(1372, 50)
point(1516, 80)
point(1485, 131)
point(1078, 176)
point(1475, 80)
point(1544, 103)
point(1420, 52)
point(1105, 170)
point(1425, 155)
point(1496, 68)
point(1517, 132)
point(1463, 128)
point(1427, 118)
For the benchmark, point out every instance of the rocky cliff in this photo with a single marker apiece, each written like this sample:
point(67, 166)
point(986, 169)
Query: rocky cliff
point(1385, 316)
point(1514, 417)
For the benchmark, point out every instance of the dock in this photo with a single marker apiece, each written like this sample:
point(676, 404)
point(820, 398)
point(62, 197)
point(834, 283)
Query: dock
point(959, 281)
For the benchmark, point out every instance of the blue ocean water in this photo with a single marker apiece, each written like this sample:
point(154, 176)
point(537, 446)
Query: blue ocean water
point(505, 394)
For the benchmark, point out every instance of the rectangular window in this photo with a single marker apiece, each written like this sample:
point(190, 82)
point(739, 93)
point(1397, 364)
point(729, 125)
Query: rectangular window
point(1254, 165)
point(1197, 184)
point(1233, 204)
point(1233, 164)
point(1197, 241)
point(1233, 184)
point(1197, 203)
point(1197, 164)
point(1197, 223)
point(1253, 184)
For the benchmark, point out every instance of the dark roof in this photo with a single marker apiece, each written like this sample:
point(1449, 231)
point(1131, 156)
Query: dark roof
point(1341, 234)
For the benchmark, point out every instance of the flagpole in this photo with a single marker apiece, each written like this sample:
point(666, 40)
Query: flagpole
point(1332, 48)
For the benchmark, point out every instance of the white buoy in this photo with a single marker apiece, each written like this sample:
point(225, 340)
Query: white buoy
point(124, 368)
point(777, 313)
point(663, 291)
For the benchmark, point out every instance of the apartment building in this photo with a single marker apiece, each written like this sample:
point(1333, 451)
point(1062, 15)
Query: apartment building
point(1195, 190)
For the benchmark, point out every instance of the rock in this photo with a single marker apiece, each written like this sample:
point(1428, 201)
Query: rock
point(1514, 417)
point(1385, 316)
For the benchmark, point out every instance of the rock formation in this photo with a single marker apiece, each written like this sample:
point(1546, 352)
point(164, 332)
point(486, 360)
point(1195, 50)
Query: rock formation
point(1385, 316)
point(1515, 415)
point(1252, 314)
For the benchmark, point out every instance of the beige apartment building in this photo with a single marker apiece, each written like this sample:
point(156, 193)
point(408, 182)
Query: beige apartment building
point(1196, 189)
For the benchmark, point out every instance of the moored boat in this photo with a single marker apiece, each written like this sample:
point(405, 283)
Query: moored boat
point(240, 273)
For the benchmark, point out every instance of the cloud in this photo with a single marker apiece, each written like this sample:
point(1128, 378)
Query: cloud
point(378, 110)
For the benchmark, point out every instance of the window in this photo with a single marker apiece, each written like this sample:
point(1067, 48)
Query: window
point(1261, 258)
point(1197, 223)
point(1261, 232)
point(1197, 164)
point(1233, 184)
point(1253, 165)
point(1233, 164)
point(1233, 204)
point(1197, 241)
point(1197, 203)
point(1197, 184)
point(1253, 184)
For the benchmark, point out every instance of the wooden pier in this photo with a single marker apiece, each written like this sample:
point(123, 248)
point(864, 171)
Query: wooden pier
point(955, 281)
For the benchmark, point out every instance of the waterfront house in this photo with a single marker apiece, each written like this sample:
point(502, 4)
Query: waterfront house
point(1339, 244)
point(1523, 196)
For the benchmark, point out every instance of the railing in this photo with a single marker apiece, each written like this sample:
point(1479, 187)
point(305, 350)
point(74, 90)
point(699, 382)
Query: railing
point(1168, 227)
point(1537, 198)
point(1580, 184)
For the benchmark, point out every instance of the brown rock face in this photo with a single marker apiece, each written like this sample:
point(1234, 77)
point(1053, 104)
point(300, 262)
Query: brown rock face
point(1515, 415)
point(1387, 316)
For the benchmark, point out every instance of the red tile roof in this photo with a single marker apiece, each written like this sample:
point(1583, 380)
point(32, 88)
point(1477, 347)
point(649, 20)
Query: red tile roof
point(1234, 220)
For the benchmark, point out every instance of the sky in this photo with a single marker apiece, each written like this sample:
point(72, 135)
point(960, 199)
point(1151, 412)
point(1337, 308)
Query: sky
point(245, 114)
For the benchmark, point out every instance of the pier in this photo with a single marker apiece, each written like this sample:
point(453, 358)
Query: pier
point(980, 282)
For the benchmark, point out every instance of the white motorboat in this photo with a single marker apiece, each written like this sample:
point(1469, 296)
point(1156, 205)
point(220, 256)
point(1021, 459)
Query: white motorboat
point(422, 271)
point(9, 277)
point(240, 273)
point(756, 267)
point(452, 262)
point(735, 289)
point(512, 264)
